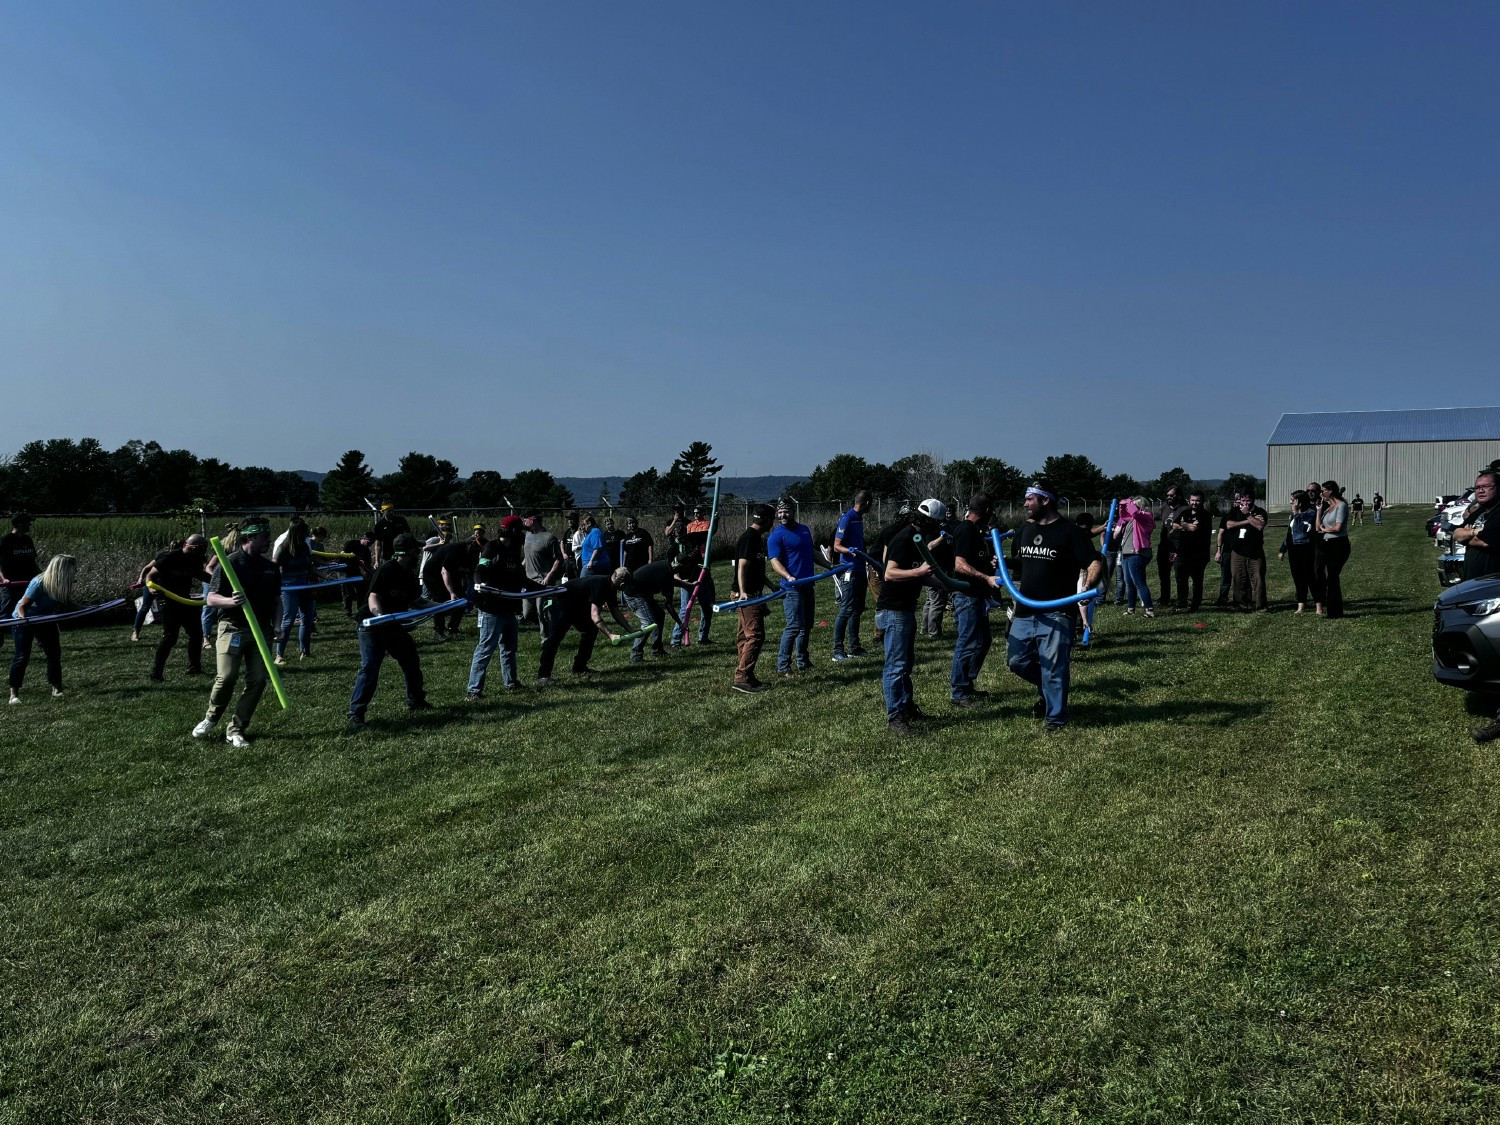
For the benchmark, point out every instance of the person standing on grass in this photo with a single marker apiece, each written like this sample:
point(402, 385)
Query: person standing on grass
point(1357, 509)
point(388, 525)
point(236, 648)
point(640, 591)
point(637, 548)
point(1479, 534)
point(353, 593)
point(789, 548)
point(1194, 531)
point(877, 552)
point(1245, 532)
point(294, 556)
point(1332, 528)
point(175, 571)
point(694, 544)
point(448, 569)
point(500, 567)
point(580, 607)
point(394, 589)
point(1133, 532)
point(1221, 552)
point(545, 566)
point(1050, 552)
point(18, 564)
point(1377, 506)
point(1166, 546)
point(973, 561)
point(1299, 549)
point(903, 575)
point(849, 537)
point(749, 581)
point(48, 593)
point(148, 596)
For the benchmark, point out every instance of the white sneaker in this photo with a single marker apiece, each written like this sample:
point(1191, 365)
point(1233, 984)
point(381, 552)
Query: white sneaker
point(14, 700)
point(204, 729)
point(57, 693)
point(237, 740)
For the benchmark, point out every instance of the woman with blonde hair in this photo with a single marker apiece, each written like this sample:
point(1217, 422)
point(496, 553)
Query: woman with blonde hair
point(49, 592)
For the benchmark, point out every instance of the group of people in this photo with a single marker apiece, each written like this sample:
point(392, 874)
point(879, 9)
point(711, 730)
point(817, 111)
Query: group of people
point(588, 577)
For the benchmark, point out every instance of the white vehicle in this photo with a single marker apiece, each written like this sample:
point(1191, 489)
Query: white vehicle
point(1451, 554)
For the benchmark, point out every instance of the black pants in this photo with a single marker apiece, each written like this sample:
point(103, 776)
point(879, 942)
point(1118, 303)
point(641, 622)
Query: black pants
point(1224, 577)
point(175, 619)
point(374, 645)
point(1301, 559)
point(44, 635)
point(1331, 557)
point(557, 628)
point(1165, 560)
point(1190, 570)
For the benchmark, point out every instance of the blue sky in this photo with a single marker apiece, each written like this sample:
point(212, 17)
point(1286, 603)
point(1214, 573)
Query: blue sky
point(580, 236)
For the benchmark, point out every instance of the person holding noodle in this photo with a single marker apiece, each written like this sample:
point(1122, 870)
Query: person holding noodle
point(48, 593)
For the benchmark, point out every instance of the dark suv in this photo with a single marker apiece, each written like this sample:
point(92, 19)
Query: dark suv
point(1466, 635)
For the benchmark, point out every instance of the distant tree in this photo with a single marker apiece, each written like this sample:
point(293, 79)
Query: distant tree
point(536, 488)
point(1076, 478)
point(63, 475)
point(922, 475)
point(999, 480)
point(838, 478)
point(692, 470)
point(485, 488)
point(421, 481)
point(348, 483)
point(1175, 477)
point(1123, 484)
point(645, 490)
point(1243, 482)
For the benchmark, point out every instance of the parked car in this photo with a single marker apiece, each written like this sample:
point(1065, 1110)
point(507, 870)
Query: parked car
point(1450, 554)
point(1466, 635)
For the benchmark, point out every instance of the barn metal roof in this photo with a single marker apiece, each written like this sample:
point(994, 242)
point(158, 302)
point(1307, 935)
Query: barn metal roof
point(1471, 423)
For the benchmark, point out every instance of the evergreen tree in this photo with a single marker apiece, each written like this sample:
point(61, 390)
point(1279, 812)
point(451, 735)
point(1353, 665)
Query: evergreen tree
point(692, 470)
point(348, 483)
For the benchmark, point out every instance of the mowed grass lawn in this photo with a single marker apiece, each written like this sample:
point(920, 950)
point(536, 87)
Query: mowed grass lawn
point(1255, 881)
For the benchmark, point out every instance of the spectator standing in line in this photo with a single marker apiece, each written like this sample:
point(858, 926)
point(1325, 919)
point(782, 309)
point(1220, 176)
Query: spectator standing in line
point(637, 547)
point(1332, 528)
point(572, 540)
point(499, 567)
point(1134, 534)
point(18, 564)
point(235, 646)
point(1299, 548)
point(693, 542)
point(1357, 509)
point(394, 589)
point(1245, 532)
point(749, 581)
point(1049, 551)
point(789, 548)
point(1221, 552)
point(973, 562)
point(545, 566)
point(1166, 546)
point(175, 570)
point(903, 575)
point(593, 558)
point(849, 537)
point(47, 593)
point(1194, 532)
point(614, 542)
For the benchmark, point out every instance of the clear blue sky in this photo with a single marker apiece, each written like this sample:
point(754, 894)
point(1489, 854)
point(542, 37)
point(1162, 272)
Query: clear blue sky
point(581, 236)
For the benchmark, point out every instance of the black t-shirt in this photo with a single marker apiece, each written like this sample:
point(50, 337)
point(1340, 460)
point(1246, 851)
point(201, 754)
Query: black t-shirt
point(455, 558)
point(651, 579)
point(1164, 517)
point(1480, 561)
point(176, 570)
point(635, 548)
point(884, 536)
point(901, 548)
point(500, 566)
point(1193, 541)
point(386, 530)
point(261, 579)
point(972, 544)
point(1248, 541)
point(587, 590)
point(1049, 556)
point(18, 557)
point(395, 586)
point(752, 548)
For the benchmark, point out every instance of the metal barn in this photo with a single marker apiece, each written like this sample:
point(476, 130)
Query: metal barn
point(1408, 456)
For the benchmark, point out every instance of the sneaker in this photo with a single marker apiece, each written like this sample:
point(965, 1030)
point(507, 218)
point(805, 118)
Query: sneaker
point(237, 740)
point(900, 726)
point(354, 726)
point(859, 652)
point(840, 657)
point(280, 660)
point(204, 729)
point(419, 705)
point(1150, 613)
point(543, 681)
point(14, 700)
point(1487, 733)
point(1054, 728)
point(915, 714)
point(474, 697)
point(964, 701)
point(748, 688)
point(134, 636)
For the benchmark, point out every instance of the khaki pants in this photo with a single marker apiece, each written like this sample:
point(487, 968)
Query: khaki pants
point(1247, 580)
point(749, 639)
point(235, 651)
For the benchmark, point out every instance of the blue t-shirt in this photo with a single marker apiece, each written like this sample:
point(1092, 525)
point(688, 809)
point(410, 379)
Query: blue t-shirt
point(591, 553)
point(851, 531)
point(40, 602)
point(793, 545)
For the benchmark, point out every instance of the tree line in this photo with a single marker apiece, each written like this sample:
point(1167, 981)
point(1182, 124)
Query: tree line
point(63, 475)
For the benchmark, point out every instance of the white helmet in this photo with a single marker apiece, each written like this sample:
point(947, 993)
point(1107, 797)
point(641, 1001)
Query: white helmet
point(934, 510)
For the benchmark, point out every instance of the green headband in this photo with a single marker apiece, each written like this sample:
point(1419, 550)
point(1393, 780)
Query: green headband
point(256, 529)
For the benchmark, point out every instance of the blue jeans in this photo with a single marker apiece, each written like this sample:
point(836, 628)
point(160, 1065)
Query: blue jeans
point(304, 602)
point(496, 630)
point(799, 605)
point(973, 643)
point(1136, 580)
point(900, 629)
point(1038, 651)
point(374, 645)
point(851, 609)
point(647, 612)
point(704, 603)
point(1116, 578)
point(148, 597)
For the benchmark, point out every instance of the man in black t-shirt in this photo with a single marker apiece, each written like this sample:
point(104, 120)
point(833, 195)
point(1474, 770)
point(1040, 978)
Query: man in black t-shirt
point(973, 561)
point(1192, 529)
point(361, 566)
point(876, 550)
point(1245, 534)
point(448, 570)
point(1222, 553)
point(640, 590)
point(902, 577)
point(500, 567)
point(1049, 551)
point(749, 581)
point(394, 589)
point(18, 564)
point(1481, 558)
point(580, 607)
point(637, 548)
point(1167, 545)
point(235, 645)
point(388, 526)
point(175, 571)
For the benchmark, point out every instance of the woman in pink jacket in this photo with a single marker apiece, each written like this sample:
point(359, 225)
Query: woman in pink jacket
point(1133, 534)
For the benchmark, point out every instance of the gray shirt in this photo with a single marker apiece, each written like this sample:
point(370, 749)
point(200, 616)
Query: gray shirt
point(541, 550)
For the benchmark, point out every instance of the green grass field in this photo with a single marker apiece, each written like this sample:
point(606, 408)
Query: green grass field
point(1255, 881)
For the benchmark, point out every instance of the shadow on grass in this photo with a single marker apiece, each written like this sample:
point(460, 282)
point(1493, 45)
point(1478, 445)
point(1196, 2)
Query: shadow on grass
point(1193, 712)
